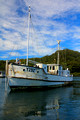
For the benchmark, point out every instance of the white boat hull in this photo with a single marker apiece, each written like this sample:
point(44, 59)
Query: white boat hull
point(31, 83)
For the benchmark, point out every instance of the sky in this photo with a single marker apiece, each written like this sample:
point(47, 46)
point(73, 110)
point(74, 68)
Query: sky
point(51, 20)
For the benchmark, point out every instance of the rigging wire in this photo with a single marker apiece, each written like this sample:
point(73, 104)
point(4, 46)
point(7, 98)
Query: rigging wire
point(17, 54)
point(38, 42)
point(10, 54)
point(35, 44)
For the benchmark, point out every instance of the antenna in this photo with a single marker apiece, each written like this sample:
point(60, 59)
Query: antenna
point(29, 16)
point(58, 51)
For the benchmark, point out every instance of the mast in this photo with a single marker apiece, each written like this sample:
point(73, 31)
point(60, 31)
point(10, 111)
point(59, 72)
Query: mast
point(28, 36)
point(58, 51)
point(6, 68)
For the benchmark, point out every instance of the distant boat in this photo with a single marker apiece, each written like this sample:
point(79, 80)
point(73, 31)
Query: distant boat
point(39, 76)
point(2, 74)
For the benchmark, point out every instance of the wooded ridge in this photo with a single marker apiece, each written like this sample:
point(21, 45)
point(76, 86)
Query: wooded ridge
point(68, 59)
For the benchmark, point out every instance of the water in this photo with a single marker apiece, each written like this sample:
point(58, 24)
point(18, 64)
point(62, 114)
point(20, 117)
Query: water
point(55, 104)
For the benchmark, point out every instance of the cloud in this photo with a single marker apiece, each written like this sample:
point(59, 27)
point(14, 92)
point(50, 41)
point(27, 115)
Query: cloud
point(53, 7)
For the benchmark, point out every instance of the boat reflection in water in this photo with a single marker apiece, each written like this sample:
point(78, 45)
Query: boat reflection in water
point(3, 95)
point(2, 92)
point(36, 105)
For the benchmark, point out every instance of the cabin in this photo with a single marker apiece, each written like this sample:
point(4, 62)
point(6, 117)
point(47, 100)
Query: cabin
point(50, 68)
point(54, 69)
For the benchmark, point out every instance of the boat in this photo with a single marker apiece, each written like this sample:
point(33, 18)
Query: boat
point(38, 76)
point(2, 74)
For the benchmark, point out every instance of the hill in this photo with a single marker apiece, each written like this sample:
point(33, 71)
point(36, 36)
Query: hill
point(68, 59)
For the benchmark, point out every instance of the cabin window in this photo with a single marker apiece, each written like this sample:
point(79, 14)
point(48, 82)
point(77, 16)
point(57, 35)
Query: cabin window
point(50, 67)
point(53, 67)
point(47, 68)
point(23, 69)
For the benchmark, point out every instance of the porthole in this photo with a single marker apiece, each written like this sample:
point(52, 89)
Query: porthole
point(23, 69)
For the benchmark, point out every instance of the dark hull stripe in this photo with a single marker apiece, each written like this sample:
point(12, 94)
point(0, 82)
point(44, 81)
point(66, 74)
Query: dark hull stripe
point(2, 76)
point(38, 87)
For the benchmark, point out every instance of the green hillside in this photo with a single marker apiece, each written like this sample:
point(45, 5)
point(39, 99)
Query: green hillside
point(2, 65)
point(68, 59)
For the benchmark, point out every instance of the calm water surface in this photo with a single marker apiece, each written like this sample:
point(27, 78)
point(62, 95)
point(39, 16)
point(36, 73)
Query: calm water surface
point(55, 104)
